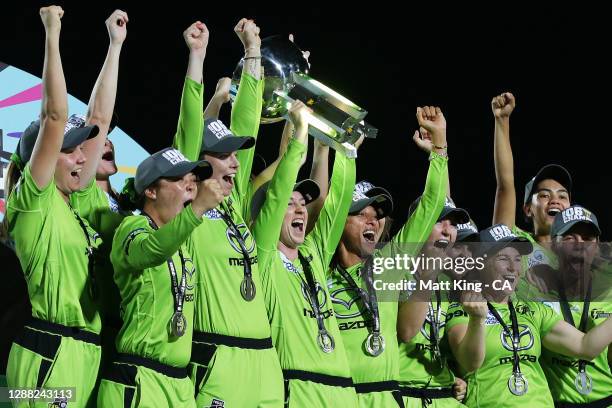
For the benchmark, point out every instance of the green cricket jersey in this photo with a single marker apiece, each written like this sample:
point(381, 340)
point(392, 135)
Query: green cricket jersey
point(139, 256)
point(92, 203)
point(292, 319)
point(353, 319)
point(217, 255)
point(488, 386)
point(561, 371)
point(540, 257)
point(52, 249)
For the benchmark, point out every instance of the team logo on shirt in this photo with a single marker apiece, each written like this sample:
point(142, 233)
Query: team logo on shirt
point(600, 314)
point(526, 338)
point(234, 240)
point(321, 295)
point(537, 257)
point(347, 298)
point(216, 403)
point(213, 214)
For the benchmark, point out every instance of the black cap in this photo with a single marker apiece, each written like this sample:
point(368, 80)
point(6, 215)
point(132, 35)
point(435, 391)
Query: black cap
point(308, 188)
point(467, 232)
point(218, 138)
point(75, 133)
point(550, 171)
point(499, 236)
point(449, 211)
point(571, 216)
point(366, 194)
point(168, 162)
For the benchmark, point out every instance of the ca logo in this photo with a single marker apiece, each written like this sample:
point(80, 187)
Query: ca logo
point(338, 297)
point(321, 296)
point(244, 236)
point(426, 329)
point(525, 338)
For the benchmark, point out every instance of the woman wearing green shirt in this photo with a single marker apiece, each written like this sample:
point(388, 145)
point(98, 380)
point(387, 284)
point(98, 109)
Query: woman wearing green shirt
point(499, 350)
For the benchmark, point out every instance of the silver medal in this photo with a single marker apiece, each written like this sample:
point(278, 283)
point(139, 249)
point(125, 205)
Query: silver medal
point(517, 384)
point(247, 289)
point(325, 341)
point(374, 344)
point(583, 383)
point(178, 324)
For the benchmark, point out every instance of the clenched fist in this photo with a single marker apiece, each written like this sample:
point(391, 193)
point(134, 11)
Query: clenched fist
point(51, 17)
point(248, 32)
point(116, 25)
point(208, 197)
point(196, 37)
point(503, 105)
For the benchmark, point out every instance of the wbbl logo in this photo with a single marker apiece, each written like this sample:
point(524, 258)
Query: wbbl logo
point(174, 156)
point(500, 232)
point(219, 129)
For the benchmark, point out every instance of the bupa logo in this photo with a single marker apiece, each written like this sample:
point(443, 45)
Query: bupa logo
point(219, 129)
point(537, 257)
point(426, 329)
point(320, 293)
point(346, 297)
point(234, 240)
point(525, 338)
point(500, 232)
point(213, 214)
point(576, 214)
point(174, 156)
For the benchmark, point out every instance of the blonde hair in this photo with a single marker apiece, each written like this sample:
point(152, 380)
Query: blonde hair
point(12, 176)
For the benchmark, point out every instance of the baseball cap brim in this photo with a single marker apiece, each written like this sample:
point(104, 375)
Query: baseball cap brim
point(382, 203)
point(550, 171)
point(522, 245)
point(76, 136)
point(308, 188)
point(458, 215)
point(566, 227)
point(230, 144)
point(202, 169)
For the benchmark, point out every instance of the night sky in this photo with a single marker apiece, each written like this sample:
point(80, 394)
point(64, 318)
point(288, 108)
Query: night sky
point(388, 61)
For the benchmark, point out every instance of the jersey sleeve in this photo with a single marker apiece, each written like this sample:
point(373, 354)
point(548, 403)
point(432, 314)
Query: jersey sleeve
point(268, 224)
point(455, 315)
point(246, 114)
point(137, 246)
point(327, 232)
point(188, 137)
point(547, 317)
point(418, 227)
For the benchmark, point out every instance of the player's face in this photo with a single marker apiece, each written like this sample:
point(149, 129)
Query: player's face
point(68, 170)
point(107, 166)
point(578, 245)
point(293, 230)
point(550, 199)
point(443, 233)
point(171, 195)
point(362, 232)
point(504, 265)
point(225, 166)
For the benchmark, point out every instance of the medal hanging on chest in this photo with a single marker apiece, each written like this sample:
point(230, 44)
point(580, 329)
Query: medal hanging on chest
point(517, 383)
point(583, 382)
point(374, 344)
point(247, 285)
point(324, 339)
point(177, 326)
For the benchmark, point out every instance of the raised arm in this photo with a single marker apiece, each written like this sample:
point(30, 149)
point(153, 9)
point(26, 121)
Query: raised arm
point(188, 137)
point(319, 172)
point(467, 339)
point(54, 109)
point(102, 100)
point(267, 226)
point(329, 226)
point(246, 112)
point(220, 97)
point(563, 338)
point(504, 211)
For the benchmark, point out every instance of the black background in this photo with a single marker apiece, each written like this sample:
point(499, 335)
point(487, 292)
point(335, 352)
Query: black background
point(386, 59)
